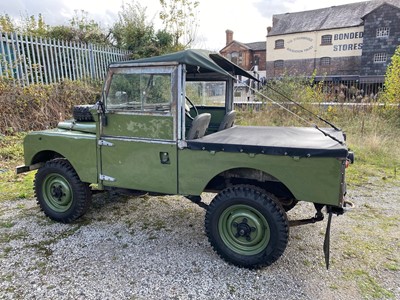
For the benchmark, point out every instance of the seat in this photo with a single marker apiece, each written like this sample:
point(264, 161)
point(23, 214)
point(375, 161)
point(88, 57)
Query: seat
point(228, 120)
point(199, 126)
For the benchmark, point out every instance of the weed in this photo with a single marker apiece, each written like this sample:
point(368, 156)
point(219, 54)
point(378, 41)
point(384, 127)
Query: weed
point(8, 237)
point(392, 267)
point(307, 263)
point(231, 288)
point(7, 250)
point(43, 246)
point(6, 224)
point(368, 286)
point(41, 106)
point(11, 185)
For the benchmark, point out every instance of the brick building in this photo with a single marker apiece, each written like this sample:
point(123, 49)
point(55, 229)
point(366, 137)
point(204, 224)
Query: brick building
point(246, 55)
point(353, 41)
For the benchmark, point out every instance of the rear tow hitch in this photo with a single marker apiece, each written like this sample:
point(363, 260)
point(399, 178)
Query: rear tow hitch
point(319, 216)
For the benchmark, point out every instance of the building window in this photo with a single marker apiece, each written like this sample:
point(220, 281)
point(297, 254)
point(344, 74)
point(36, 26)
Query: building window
point(325, 61)
point(380, 57)
point(326, 39)
point(278, 64)
point(256, 61)
point(279, 44)
point(382, 32)
point(236, 58)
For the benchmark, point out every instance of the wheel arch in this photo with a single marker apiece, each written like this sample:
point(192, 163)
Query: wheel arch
point(253, 176)
point(44, 156)
point(85, 174)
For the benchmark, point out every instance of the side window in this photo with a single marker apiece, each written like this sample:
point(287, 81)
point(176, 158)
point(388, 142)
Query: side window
point(203, 93)
point(326, 39)
point(382, 32)
point(325, 61)
point(278, 64)
point(279, 44)
point(140, 92)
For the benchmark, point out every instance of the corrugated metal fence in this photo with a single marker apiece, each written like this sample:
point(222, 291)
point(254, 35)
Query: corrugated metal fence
point(28, 59)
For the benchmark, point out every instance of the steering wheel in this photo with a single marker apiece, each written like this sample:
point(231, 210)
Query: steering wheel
point(187, 108)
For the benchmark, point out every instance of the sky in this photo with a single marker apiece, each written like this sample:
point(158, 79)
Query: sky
point(248, 19)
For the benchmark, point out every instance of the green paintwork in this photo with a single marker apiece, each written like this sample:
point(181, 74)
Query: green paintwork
point(78, 147)
point(134, 159)
point(139, 150)
point(309, 179)
point(137, 165)
point(57, 193)
point(140, 126)
point(89, 127)
point(229, 224)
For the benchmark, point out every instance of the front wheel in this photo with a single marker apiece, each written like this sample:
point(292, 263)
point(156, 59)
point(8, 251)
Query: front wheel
point(60, 193)
point(247, 227)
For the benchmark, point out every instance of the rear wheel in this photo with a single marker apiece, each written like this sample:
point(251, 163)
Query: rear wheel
point(247, 226)
point(60, 193)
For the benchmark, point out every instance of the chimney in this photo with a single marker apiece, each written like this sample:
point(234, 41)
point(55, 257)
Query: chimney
point(229, 36)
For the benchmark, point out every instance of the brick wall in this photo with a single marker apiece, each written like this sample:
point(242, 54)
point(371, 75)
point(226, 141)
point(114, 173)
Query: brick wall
point(384, 16)
point(305, 67)
point(247, 56)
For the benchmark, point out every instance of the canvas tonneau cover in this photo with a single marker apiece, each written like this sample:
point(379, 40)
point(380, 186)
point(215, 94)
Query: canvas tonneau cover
point(290, 141)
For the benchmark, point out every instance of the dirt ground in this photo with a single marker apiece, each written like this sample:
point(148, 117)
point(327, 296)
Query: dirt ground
point(155, 248)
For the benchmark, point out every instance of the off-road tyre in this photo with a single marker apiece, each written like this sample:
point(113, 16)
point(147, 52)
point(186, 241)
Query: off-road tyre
point(60, 193)
point(247, 226)
point(81, 113)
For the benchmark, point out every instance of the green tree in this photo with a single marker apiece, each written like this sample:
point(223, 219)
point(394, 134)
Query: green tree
point(7, 24)
point(29, 25)
point(392, 80)
point(179, 18)
point(80, 29)
point(134, 32)
point(34, 26)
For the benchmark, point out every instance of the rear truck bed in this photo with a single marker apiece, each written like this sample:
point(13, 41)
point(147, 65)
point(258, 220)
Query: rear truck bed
point(287, 141)
point(309, 164)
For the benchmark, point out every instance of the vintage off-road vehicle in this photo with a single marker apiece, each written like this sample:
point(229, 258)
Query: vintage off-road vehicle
point(165, 125)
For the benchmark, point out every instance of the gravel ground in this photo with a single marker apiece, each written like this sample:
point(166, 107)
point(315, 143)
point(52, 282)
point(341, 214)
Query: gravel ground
point(155, 248)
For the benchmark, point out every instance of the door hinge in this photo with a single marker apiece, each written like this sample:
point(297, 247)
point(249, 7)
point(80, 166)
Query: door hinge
point(105, 143)
point(106, 178)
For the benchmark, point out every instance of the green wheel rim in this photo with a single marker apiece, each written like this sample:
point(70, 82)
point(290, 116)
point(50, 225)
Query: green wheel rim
point(244, 229)
point(57, 193)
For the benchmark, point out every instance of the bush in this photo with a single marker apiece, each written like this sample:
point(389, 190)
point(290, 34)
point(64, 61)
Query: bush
point(38, 106)
point(392, 80)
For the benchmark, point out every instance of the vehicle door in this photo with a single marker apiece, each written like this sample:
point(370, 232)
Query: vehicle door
point(138, 140)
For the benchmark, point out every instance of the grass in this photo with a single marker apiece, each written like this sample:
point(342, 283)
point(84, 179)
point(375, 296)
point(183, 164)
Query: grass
point(13, 186)
point(368, 286)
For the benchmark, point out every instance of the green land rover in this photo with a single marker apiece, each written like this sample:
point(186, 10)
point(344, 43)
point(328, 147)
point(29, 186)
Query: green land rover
point(165, 125)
